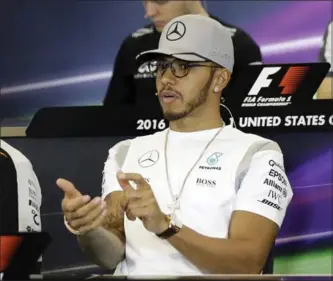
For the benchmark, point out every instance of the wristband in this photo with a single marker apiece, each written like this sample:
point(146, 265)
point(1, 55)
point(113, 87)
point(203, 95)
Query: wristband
point(72, 230)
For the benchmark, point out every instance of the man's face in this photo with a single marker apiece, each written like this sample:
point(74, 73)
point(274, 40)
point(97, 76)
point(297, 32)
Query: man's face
point(160, 12)
point(180, 97)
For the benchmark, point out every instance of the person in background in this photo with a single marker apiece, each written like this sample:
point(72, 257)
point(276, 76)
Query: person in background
point(20, 200)
point(197, 198)
point(135, 84)
point(325, 89)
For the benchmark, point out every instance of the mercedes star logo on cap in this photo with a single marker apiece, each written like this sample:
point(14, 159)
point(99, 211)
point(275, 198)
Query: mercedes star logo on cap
point(149, 159)
point(176, 31)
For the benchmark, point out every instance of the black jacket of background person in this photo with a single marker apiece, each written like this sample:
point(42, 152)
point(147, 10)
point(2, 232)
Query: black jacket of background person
point(8, 194)
point(20, 193)
point(133, 84)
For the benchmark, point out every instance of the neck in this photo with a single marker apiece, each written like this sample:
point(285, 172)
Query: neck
point(196, 123)
point(196, 8)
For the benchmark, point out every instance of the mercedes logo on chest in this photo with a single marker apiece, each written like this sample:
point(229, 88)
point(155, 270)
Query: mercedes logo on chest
point(149, 159)
point(176, 31)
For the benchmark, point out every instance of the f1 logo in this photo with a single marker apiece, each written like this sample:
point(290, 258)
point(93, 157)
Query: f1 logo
point(289, 82)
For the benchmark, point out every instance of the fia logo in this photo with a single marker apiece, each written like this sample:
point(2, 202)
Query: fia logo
point(288, 84)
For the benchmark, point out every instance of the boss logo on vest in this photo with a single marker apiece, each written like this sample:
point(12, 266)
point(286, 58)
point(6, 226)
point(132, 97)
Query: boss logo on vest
point(206, 182)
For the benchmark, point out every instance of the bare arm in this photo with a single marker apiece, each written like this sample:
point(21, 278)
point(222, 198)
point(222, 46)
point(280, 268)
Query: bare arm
point(245, 252)
point(258, 214)
point(105, 245)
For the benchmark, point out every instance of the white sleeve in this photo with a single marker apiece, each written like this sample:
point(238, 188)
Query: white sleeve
point(113, 164)
point(29, 198)
point(265, 189)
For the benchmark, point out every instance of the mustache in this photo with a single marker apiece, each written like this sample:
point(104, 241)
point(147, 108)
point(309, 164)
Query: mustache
point(170, 89)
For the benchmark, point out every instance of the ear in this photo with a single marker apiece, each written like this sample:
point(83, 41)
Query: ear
point(223, 77)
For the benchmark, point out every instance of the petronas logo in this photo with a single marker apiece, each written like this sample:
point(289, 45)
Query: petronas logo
point(214, 158)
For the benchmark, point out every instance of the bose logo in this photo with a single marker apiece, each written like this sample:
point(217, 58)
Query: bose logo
point(271, 204)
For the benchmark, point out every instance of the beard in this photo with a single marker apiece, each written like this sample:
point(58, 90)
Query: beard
point(198, 100)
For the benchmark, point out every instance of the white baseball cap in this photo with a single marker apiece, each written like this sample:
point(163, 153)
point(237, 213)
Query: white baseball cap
point(194, 38)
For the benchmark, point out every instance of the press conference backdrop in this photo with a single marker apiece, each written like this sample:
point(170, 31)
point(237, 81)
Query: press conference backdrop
point(61, 53)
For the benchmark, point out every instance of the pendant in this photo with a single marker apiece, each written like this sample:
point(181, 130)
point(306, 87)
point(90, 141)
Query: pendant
point(175, 205)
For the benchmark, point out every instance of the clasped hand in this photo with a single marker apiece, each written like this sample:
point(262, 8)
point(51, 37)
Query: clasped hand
point(84, 214)
point(141, 203)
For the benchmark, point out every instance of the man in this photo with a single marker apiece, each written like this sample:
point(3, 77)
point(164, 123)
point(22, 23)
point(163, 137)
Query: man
point(20, 200)
point(135, 84)
point(325, 90)
point(197, 198)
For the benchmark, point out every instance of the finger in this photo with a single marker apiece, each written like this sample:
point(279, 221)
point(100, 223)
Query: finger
point(68, 188)
point(130, 216)
point(139, 203)
point(90, 217)
point(84, 209)
point(140, 212)
point(124, 201)
point(98, 221)
point(137, 178)
point(71, 205)
point(124, 183)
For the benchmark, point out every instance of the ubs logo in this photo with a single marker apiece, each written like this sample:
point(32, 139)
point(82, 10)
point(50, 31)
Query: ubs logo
point(146, 70)
point(149, 159)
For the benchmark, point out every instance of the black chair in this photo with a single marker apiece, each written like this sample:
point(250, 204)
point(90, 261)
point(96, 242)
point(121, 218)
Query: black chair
point(25, 260)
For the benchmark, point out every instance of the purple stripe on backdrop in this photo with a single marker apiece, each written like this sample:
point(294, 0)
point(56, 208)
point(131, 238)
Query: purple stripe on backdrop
point(295, 24)
point(309, 212)
point(298, 56)
point(315, 171)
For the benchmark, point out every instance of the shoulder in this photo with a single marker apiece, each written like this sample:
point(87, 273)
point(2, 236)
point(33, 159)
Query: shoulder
point(250, 144)
point(139, 35)
point(7, 170)
point(151, 137)
point(120, 148)
point(245, 138)
point(6, 162)
point(143, 31)
point(235, 31)
point(247, 50)
point(17, 156)
point(6, 159)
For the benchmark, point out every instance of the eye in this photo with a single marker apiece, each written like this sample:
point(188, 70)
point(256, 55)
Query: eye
point(183, 65)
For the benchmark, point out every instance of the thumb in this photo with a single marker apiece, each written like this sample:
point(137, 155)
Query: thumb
point(68, 188)
point(124, 183)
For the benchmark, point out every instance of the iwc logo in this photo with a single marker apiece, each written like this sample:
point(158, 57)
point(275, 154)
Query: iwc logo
point(176, 31)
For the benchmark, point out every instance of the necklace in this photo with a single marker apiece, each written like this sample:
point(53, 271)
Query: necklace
point(175, 198)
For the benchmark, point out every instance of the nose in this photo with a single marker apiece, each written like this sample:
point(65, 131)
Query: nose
point(167, 77)
point(150, 9)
